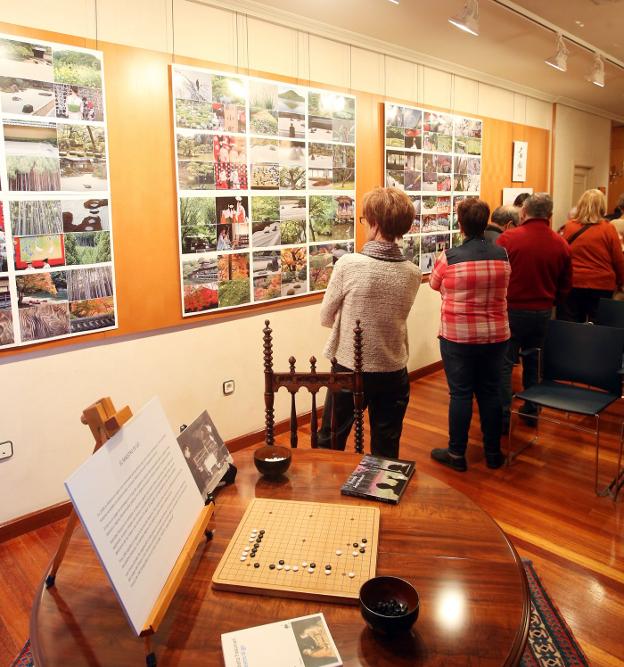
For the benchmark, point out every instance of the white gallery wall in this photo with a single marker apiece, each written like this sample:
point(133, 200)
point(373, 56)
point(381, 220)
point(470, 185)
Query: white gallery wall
point(580, 140)
point(186, 367)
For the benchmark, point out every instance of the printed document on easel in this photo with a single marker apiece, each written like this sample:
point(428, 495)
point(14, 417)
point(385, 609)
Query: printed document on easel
point(138, 503)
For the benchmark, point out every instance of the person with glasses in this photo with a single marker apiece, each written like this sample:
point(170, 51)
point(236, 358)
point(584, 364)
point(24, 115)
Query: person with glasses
point(376, 286)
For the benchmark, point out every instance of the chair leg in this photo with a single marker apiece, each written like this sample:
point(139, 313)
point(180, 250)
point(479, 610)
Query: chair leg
point(515, 454)
point(597, 427)
point(616, 484)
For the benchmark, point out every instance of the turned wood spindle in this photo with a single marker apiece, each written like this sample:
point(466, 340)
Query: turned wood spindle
point(358, 388)
point(269, 413)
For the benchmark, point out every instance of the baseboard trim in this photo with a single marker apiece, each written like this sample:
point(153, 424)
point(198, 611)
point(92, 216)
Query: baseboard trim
point(47, 515)
point(426, 370)
point(34, 520)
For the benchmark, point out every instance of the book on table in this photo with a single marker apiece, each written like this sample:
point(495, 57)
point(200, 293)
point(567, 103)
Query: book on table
point(296, 642)
point(379, 478)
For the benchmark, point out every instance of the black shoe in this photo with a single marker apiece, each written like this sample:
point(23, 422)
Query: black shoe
point(505, 426)
point(444, 457)
point(495, 461)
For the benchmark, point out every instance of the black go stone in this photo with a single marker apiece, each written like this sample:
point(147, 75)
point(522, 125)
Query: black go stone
point(364, 540)
point(256, 564)
point(362, 550)
point(272, 566)
point(328, 567)
point(261, 532)
point(252, 554)
point(281, 562)
point(312, 565)
point(355, 544)
point(391, 607)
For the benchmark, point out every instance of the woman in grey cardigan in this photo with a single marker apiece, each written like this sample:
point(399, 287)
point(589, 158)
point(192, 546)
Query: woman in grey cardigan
point(376, 286)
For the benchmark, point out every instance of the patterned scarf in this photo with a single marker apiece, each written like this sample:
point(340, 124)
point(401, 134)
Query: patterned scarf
point(387, 251)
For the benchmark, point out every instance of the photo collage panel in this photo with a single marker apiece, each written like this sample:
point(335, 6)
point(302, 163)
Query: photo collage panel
point(266, 187)
point(435, 158)
point(56, 258)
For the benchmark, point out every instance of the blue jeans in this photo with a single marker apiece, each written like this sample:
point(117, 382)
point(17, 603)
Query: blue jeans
point(386, 396)
point(528, 329)
point(473, 370)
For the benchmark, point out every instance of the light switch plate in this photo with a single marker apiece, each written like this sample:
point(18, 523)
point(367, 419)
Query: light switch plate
point(6, 450)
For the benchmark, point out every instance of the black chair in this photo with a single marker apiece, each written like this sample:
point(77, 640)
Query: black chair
point(577, 354)
point(610, 313)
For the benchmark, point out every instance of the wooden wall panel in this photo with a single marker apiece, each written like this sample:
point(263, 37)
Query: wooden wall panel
point(616, 187)
point(143, 194)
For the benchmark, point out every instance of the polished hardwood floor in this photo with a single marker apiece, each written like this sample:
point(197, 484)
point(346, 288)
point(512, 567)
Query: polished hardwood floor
point(545, 503)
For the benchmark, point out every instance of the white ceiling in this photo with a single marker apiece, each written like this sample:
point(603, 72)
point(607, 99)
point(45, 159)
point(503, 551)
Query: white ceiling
point(509, 46)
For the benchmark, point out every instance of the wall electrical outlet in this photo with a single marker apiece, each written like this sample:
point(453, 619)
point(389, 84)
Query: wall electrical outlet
point(6, 450)
point(228, 387)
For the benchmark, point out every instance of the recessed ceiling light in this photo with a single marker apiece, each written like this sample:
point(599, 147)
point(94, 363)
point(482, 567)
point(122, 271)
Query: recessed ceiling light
point(468, 19)
point(580, 24)
point(560, 59)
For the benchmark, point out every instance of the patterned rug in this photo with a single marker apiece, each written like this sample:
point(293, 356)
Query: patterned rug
point(551, 642)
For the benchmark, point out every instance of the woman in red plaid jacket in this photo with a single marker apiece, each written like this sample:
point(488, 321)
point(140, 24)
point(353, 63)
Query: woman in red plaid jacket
point(472, 279)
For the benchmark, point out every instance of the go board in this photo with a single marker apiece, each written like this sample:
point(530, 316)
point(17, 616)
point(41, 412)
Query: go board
point(289, 548)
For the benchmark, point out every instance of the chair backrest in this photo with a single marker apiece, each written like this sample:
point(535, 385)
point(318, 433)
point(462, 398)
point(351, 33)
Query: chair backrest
point(585, 353)
point(313, 381)
point(610, 313)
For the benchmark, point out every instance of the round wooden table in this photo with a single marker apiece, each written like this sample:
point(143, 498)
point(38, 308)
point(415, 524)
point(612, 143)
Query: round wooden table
point(474, 600)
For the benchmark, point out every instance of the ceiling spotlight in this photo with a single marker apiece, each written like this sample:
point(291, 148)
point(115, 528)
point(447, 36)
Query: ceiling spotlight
point(468, 19)
point(560, 59)
point(597, 76)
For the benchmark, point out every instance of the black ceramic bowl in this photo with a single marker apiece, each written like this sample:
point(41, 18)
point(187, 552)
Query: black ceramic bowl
point(384, 589)
point(272, 461)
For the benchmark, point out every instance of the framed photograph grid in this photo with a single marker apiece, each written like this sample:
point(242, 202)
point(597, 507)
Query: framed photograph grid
point(56, 250)
point(266, 187)
point(435, 158)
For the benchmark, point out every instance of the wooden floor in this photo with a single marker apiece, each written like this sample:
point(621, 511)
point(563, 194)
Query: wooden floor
point(544, 501)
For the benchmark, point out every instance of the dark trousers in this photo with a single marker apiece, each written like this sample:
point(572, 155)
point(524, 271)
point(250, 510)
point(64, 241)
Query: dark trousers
point(473, 369)
point(581, 304)
point(386, 396)
point(528, 329)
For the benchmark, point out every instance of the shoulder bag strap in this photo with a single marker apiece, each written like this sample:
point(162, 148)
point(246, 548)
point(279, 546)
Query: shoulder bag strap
point(576, 234)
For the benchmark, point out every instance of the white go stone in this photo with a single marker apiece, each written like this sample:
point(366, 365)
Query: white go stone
point(304, 564)
point(311, 570)
point(287, 567)
point(243, 557)
point(338, 552)
point(279, 567)
point(355, 554)
point(328, 572)
point(352, 574)
point(295, 568)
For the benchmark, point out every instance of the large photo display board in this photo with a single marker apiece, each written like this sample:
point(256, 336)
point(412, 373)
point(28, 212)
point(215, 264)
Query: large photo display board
point(266, 187)
point(56, 253)
point(436, 158)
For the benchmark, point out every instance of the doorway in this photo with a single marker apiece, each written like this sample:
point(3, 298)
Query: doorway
point(582, 178)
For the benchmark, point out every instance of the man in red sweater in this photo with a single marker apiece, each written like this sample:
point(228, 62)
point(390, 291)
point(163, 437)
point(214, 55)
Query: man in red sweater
point(541, 273)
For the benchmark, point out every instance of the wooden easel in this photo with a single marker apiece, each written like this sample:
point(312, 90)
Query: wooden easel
point(105, 421)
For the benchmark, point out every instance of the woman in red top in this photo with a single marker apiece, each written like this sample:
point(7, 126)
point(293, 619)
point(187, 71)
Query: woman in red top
point(597, 259)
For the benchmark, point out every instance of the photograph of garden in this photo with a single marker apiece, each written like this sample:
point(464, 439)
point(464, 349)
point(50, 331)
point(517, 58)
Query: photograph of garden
point(263, 108)
point(48, 320)
point(78, 68)
point(26, 97)
point(267, 275)
point(41, 287)
point(233, 279)
point(322, 260)
point(87, 248)
point(31, 156)
point(26, 60)
point(6, 327)
point(85, 284)
point(54, 141)
point(90, 315)
point(198, 224)
point(445, 167)
point(81, 215)
point(331, 217)
point(35, 217)
point(275, 158)
point(294, 271)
